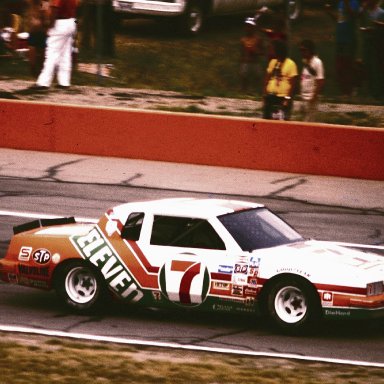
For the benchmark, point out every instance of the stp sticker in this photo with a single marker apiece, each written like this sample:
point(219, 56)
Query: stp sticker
point(41, 256)
point(25, 253)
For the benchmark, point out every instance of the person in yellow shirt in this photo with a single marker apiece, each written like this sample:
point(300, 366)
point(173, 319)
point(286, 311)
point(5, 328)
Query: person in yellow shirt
point(280, 82)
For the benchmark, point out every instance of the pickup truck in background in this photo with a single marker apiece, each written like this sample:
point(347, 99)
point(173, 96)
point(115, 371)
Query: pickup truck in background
point(190, 15)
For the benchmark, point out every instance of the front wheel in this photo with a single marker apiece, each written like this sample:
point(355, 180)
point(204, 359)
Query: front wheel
point(81, 287)
point(293, 305)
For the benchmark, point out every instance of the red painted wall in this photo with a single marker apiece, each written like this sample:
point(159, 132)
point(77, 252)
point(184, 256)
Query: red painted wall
point(197, 139)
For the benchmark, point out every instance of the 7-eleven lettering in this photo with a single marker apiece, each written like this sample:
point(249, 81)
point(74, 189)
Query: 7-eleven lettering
point(184, 282)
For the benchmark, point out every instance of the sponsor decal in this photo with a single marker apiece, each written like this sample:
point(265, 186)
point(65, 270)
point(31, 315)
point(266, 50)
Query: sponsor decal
point(249, 302)
point(374, 289)
point(241, 268)
point(249, 291)
point(225, 269)
point(239, 279)
point(41, 256)
point(33, 271)
point(222, 307)
point(337, 312)
point(184, 282)
point(254, 262)
point(237, 290)
point(25, 253)
point(252, 281)
point(327, 298)
point(156, 295)
point(33, 283)
point(248, 308)
point(221, 286)
point(96, 248)
point(293, 270)
point(239, 276)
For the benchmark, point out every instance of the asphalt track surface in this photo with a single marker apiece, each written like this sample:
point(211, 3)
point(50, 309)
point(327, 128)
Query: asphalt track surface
point(323, 208)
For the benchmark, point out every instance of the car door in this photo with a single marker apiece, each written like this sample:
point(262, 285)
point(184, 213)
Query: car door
point(187, 251)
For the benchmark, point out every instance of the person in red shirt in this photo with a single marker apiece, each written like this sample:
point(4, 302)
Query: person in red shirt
point(58, 54)
point(251, 55)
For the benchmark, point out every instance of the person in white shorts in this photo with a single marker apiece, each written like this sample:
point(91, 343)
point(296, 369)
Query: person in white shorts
point(58, 55)
point(312, 80)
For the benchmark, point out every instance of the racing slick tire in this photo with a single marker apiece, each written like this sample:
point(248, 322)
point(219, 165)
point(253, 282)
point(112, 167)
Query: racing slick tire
point(293, 305)
point(81, 287)
point(191, 22)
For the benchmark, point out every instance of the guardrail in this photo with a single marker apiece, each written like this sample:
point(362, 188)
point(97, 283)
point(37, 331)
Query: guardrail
point(319, 149)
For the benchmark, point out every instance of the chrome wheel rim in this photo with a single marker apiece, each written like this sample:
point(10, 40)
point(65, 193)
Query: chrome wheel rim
point(81, 285)
point(290, 305)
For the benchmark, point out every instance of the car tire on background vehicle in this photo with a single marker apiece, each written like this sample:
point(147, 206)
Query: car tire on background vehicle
point(80, 286)
point(191, 22)
point(293, 305)
point(294, 9)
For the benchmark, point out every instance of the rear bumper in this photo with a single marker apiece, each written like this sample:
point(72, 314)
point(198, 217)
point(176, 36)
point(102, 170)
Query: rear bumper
point(16, 273)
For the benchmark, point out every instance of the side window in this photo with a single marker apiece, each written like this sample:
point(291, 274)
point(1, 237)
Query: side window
point(132, 227)
point(185, 232)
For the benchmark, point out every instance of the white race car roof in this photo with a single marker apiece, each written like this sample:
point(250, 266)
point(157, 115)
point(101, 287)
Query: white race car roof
point(187, 207)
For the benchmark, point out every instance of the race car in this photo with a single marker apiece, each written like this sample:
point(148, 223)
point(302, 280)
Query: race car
point(197, 254)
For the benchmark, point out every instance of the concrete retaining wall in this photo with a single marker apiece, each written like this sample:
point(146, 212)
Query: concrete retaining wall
point(197, 139)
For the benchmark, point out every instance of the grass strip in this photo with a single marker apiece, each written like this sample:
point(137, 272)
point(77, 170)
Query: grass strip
point(38, 359)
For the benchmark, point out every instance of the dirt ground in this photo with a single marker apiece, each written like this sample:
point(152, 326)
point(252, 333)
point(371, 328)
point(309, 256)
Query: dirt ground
point(166, 100)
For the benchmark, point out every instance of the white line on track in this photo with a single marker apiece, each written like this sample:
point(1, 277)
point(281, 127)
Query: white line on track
point(120, 340)
point(31, 215)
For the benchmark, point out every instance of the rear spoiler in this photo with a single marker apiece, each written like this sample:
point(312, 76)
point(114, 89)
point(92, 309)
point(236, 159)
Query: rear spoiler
point(42, 223)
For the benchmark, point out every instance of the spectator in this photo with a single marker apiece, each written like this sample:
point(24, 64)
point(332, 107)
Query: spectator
point(97, 27)
point(372, 46)
point(252, 49)
point(346, 43)
point(88, 11)
point(276, 31)
point(8, 32)
point(280, 81)
point(312, 80)
point(62, 28)
point(37, 21)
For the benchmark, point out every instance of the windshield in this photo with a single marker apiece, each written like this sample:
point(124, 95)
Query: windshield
point(258, 228)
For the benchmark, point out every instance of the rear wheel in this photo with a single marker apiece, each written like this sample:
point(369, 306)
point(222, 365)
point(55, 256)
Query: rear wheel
point(293, 305)
point(81, 287)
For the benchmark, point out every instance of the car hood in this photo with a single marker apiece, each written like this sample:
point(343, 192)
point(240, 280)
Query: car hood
point(323, 262)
